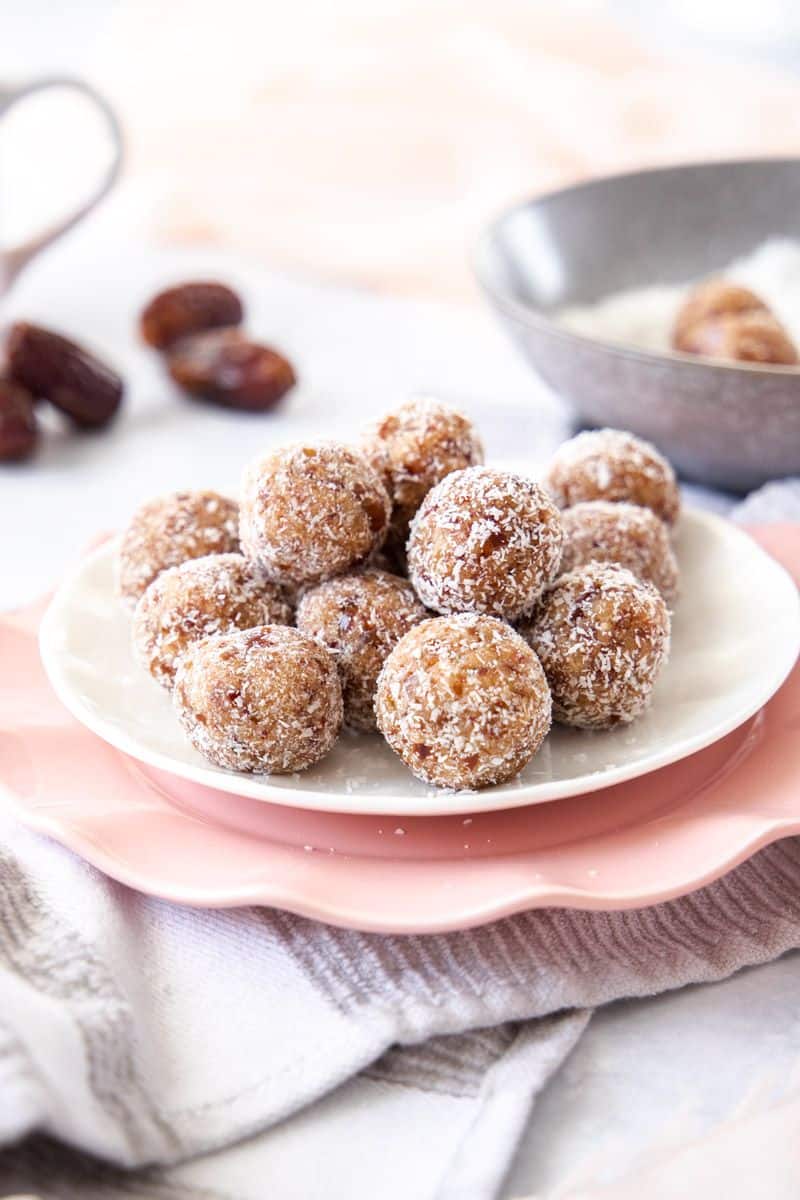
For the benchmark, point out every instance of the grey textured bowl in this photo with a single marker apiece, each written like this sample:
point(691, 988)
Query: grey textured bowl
point(726, 424)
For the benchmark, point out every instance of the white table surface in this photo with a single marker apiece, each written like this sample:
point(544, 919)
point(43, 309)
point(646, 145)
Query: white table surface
point(649, 1074)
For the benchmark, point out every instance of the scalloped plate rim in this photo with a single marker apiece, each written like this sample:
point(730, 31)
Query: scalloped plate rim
point(519, 899)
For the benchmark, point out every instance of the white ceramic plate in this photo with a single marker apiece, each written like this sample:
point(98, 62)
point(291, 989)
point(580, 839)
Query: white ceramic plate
point(736, 635)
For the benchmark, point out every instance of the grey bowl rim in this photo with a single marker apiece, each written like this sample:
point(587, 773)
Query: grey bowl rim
point(539, 320)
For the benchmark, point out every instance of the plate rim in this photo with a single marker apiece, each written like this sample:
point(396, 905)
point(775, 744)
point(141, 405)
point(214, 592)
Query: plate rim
point(439, 802)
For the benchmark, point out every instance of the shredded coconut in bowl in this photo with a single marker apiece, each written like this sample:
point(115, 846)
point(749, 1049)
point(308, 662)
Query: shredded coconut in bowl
point(644, 317)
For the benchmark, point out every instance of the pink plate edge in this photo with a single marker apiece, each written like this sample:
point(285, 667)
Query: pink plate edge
point(522, 900)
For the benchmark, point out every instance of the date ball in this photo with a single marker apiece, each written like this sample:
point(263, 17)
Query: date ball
point(201, 598)
point(312, 512)
point(265, 700)
point(171, 529)
point(625, 534)
point(463, 701)
point(484, 541)
point(708, 301)
point(607, 464)
point(602, 636)
point(414, 448)
point(360, 619)
point(750, 337)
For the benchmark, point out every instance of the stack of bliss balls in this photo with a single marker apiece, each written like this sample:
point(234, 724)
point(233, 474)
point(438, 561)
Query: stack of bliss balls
point(403, 586)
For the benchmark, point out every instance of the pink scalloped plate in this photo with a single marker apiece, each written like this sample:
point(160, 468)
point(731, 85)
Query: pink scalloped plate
point(638, 843)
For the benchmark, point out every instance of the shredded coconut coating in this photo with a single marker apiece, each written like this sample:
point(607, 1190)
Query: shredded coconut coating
point(265, 700)
point(463, 701)
point(171, 529)
point(360, 619)
point(201, 598)
point(414, 448)
point(602, 636)
point(312, 512)
point(484, 541)
point(608, 464)
point(625, 534)
point(708, 301)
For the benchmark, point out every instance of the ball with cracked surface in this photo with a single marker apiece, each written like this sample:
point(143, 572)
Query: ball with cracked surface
point(610, 464)
point(415, 447)
point(360, 619)
point(625, 534)
point(264, 700)
point(484, 541)
point(602, 637)
point(311, 512)
point(201, 598)
point(171, 529)
point(463, 701)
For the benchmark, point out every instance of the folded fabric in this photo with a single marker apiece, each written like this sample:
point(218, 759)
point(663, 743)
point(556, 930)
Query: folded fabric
point(144, 1033)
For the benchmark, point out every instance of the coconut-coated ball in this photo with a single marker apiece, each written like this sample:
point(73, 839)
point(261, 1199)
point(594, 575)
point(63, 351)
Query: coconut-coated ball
point(415, 447)
point(625, 534)
point(463, 701)
point(484, 541)
point(266, 700)
point(171, 529)
point(748, 337)
point(708, 301)
point(310, 512)
point(360, 619)
point(609, 464)
point(200, 598)
point(602, 636)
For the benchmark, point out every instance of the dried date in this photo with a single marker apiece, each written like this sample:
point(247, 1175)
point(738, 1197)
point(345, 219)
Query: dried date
point(18, 429)
point(227, 368)
point(54, 368)
point(190, 308)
